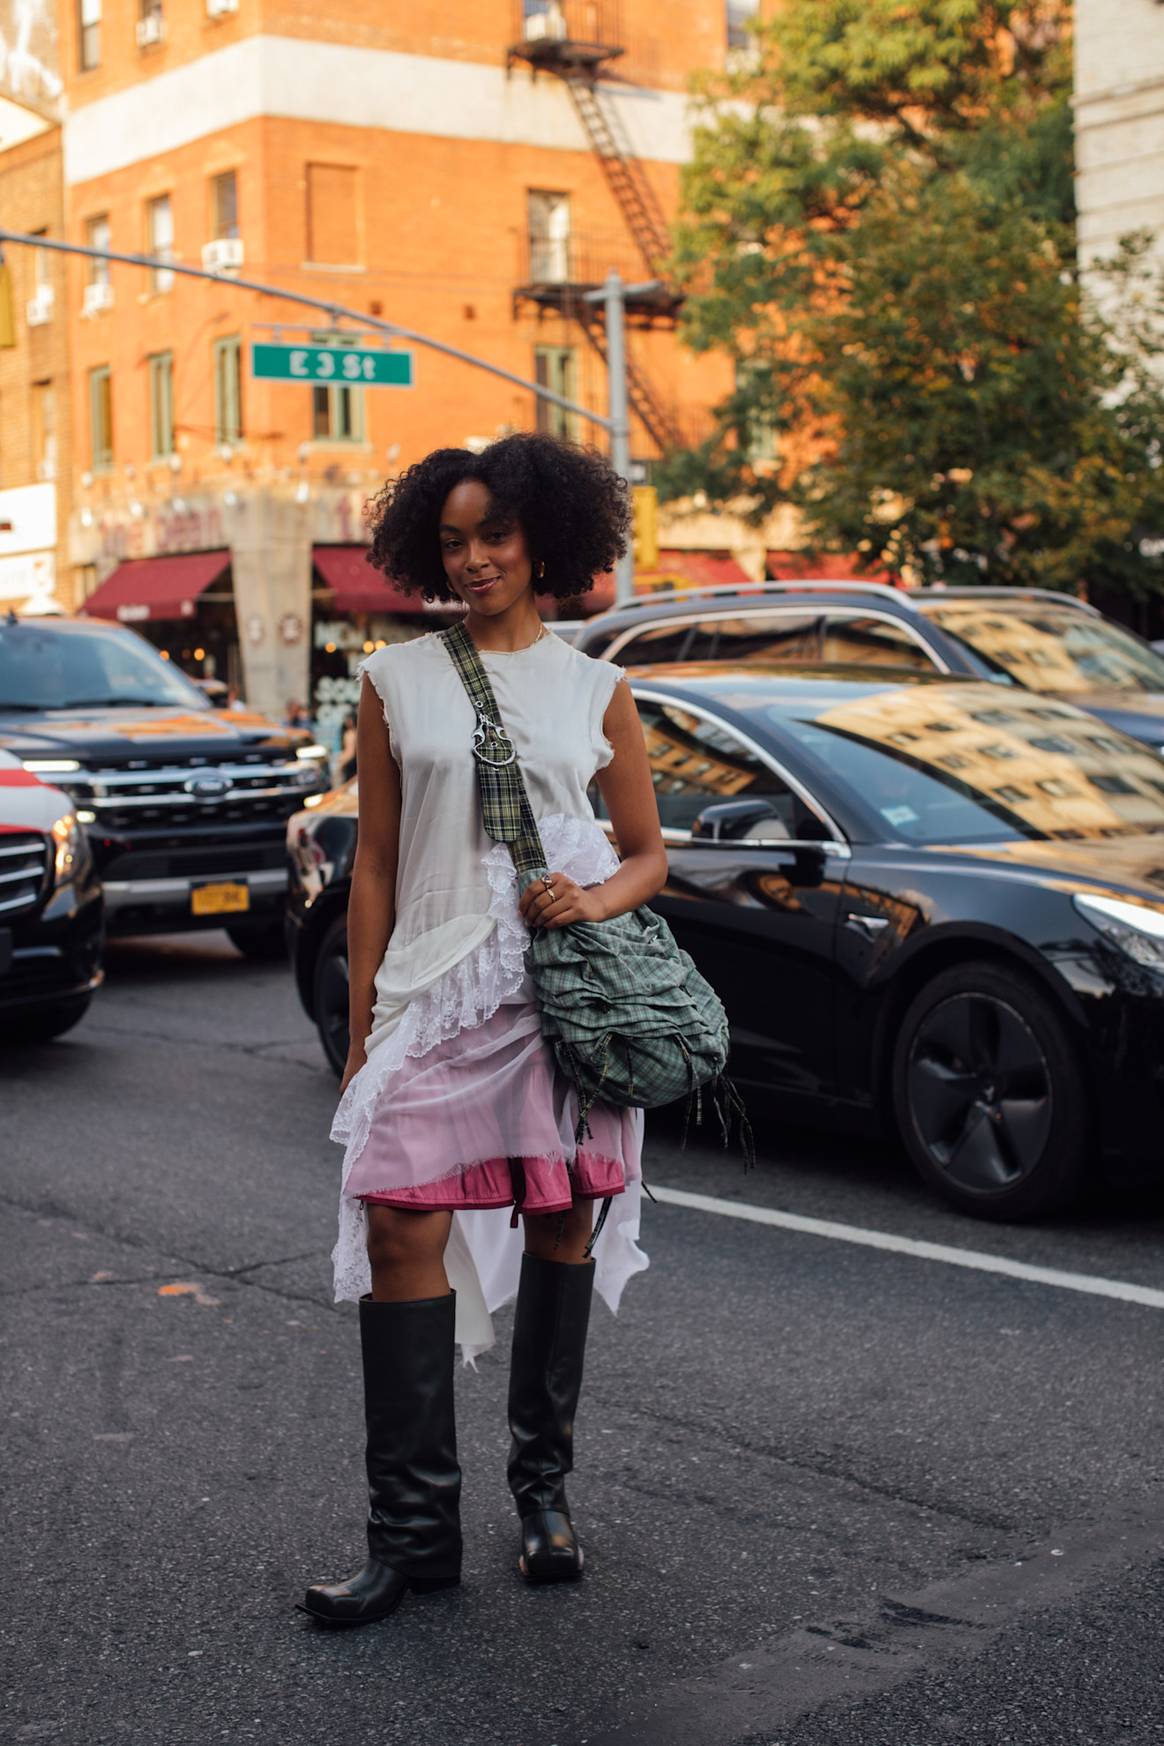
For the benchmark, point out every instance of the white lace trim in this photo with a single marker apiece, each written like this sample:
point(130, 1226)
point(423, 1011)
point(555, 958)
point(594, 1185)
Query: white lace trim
point(471, 992)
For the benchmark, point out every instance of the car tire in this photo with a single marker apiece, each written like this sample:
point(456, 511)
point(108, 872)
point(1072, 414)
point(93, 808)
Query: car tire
point(49, 1022)
point(262, 942)
point(989, 1093)
point(329, 994)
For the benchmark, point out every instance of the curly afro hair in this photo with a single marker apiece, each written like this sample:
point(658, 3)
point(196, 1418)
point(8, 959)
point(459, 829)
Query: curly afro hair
point(572, 507)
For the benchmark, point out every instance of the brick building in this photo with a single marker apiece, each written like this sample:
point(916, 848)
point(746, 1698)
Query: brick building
point(35, 407)
point(470, 170)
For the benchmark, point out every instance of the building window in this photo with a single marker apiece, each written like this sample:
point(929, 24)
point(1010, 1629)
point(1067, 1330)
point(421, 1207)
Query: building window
point(333, 228)
point(758, 434)
point(89, 34)
point(337, 414)
point(160, 240)
point(549, 236)
point(161, 380)
point(98, 236)
point(101, 418)
point(741, 14)
point(224, 205)
point(44, 430)
point(228, 424)
point(554, 368)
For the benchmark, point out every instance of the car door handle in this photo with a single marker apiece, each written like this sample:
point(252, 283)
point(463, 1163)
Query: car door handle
point(868, 925)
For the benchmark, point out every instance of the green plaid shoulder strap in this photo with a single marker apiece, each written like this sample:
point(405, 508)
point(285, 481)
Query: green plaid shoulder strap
point(504, 802)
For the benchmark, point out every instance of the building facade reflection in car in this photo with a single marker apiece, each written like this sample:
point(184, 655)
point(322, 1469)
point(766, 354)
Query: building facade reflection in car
point(937, 766)
point(1052, 649)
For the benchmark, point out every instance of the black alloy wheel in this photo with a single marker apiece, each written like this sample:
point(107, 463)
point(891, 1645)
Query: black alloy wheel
point(989, 1094)
point(330, 994)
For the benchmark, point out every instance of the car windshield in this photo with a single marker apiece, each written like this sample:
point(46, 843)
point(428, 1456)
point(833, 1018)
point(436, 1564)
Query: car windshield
point(1052, 648)
point(957, 764)
point(43, 667)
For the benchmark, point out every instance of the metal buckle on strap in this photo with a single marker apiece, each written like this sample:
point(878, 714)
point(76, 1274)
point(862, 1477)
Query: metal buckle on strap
point(490, 740)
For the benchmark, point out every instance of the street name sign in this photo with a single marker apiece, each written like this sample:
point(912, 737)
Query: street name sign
point(357, 365)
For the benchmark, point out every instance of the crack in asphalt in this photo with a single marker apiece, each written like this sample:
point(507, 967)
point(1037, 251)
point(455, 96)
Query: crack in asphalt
point(237, 1275)
point(256, 1051)
point(823, 1467)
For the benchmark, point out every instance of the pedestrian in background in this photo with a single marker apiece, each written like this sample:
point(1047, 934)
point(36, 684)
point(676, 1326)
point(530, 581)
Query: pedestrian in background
point(347, 752)
point(452, 1112)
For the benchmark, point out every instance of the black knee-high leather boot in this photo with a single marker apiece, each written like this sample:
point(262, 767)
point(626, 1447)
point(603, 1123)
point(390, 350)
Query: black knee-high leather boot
point(545, 1377)
point(414, 1482)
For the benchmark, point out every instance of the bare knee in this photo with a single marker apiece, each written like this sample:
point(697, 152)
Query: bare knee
point(560, 1236)
point(400, 1241)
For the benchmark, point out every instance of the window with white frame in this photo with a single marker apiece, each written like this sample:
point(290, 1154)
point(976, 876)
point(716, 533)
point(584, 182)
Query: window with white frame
point(555, 368)
point(101, 418)
point(97, 235)
point(88, 34)
point(228, 420)
point(161, 389)
point(160, 240)
point(741, 15)
point(224, 205)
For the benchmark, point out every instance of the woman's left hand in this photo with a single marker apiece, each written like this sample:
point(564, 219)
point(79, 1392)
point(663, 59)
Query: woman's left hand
point(556, 901)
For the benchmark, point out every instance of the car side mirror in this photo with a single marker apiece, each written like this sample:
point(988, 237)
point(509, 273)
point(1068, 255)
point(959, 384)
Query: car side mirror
point(730, 820)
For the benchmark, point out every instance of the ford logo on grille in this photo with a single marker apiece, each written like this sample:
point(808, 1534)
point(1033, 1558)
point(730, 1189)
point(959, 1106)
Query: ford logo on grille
point(208, 787)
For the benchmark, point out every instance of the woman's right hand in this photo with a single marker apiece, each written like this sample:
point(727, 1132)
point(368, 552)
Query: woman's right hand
point(356, 1059)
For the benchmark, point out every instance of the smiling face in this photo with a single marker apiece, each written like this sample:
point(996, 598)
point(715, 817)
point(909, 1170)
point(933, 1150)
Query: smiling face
point(484, 552)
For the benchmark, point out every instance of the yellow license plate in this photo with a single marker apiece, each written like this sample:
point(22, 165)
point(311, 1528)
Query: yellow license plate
point(227, 898)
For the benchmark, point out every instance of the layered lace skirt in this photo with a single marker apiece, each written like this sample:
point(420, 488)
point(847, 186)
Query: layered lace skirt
point(459, 1106)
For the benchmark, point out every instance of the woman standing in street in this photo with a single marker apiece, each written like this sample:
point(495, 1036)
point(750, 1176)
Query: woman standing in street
point(454, 1118)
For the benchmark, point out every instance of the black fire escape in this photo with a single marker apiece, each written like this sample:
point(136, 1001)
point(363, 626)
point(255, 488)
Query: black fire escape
point(576, 41)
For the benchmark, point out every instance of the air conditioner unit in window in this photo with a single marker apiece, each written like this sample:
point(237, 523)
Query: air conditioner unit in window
point(223, 255)
point(150, 30)
point(97, 296)
point(220, 8)
point(40, 307)
point(548, 26)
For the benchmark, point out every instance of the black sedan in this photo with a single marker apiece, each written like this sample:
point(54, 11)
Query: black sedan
point(922, 900)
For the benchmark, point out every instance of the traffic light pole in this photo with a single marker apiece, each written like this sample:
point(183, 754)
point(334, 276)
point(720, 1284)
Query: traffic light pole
point(612, 296)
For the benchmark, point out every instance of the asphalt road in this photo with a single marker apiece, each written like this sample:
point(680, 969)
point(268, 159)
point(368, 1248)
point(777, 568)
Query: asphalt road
point(830, 1493)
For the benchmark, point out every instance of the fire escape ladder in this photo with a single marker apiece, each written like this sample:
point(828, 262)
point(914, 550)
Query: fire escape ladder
point(655, 416)
point(628, 180)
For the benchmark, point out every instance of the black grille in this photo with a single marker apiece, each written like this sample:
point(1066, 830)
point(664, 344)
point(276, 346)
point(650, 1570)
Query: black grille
point(23, 871)
point(190, 862)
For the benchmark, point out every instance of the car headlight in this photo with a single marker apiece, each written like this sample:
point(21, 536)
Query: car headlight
point(320, 753)
point(51, 766)
point(70, 848)
point(1135, 929)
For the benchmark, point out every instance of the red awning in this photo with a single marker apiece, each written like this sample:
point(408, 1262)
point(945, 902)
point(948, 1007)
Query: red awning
point(358, 588)
point(824, 567)
point(700, 569)
point(155, 588)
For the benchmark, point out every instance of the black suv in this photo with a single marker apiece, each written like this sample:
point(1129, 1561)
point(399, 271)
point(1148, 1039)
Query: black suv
point(1046, 642)
point(50, 910)
point(185, 805)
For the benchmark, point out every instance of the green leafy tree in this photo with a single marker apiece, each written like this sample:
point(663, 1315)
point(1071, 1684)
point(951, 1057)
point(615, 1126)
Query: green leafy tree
point(879, 227)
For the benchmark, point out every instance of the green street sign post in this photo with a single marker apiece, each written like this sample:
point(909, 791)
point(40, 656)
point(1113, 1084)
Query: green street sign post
point(355, 365)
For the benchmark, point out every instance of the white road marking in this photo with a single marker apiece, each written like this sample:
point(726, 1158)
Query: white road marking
point(1088, 1283)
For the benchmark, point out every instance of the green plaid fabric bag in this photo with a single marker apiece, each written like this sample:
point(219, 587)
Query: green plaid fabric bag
point(630, 1020)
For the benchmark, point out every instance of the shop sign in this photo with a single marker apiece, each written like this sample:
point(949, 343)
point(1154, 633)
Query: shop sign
point(26, 574)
